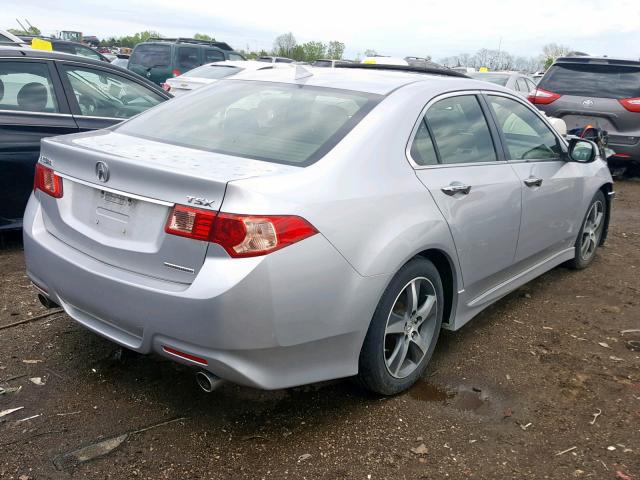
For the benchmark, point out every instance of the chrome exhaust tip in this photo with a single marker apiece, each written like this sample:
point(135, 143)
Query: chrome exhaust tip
point(47, 302)
point(207, 381)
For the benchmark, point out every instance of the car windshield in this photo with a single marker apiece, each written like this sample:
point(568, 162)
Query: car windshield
point(490, 77)
point(151, 55)
point(593, 80)
point(212, 71)
point(275, 122)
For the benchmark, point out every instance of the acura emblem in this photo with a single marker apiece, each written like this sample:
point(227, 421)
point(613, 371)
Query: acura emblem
point(588, 103)
point(102, 171)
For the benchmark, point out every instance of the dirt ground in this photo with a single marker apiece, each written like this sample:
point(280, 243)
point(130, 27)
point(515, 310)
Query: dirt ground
point(514, 394)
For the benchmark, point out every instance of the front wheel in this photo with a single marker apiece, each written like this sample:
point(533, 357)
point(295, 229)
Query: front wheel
point(591, 233)
point(404, 329)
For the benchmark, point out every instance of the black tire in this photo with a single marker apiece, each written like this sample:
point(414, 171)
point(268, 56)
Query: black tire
point(373, 372)
point(581, 259)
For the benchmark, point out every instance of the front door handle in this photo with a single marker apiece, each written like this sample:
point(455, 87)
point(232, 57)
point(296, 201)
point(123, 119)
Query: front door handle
point(533, 182)
point(456, 187)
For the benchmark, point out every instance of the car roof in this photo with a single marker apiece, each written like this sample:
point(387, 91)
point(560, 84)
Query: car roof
point(598, 60)
point(375, 81)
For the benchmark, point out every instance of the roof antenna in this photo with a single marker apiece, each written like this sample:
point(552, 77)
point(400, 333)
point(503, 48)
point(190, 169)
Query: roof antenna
point(302, 72)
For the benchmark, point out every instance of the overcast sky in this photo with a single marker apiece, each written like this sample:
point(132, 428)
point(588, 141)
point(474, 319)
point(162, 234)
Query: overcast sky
point(438, 28)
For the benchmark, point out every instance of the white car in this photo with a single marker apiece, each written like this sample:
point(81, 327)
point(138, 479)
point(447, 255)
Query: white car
point(211, 73)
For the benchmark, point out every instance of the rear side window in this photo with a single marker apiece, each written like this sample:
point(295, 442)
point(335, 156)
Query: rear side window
point(188, 58)
point(212, 71)
point(460, 130)
point(591, 80)
point(76, 50)
point(422, 149)
point(275, 122)
point(211, 55)
point(151, 55)
point(26, 86)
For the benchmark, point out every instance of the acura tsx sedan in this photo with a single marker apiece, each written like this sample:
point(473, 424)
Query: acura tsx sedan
point(287, 227)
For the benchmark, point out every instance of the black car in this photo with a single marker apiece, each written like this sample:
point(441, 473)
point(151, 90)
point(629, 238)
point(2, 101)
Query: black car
point(67, 46)
point(48, 93)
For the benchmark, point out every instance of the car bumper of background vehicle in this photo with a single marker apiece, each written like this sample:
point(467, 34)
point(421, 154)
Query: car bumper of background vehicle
point(293, 317)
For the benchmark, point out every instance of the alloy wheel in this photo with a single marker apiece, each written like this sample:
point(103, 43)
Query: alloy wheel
point(592, 230)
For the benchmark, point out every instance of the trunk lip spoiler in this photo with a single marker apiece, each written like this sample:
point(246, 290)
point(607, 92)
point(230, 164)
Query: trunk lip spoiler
point(113, 190)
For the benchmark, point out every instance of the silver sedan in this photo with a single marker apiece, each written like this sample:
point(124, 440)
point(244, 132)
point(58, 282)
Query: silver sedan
point(299, 225)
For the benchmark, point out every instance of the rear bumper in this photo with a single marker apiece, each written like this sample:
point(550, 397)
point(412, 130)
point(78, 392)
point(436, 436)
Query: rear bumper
point(293, 317)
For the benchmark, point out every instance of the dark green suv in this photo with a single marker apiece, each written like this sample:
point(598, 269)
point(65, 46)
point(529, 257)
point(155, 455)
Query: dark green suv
point(162, 58)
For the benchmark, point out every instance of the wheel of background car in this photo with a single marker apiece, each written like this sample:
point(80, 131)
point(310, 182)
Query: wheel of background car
point(590, 233)
point(404, 329)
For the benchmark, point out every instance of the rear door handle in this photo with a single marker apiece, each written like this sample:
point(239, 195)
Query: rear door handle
point(456, 187)
point(533, 182)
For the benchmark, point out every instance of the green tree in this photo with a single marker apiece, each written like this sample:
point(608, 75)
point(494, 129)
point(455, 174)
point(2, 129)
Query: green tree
point(30, 31)
point(551, 51)
point(312, 51)
point(204, 36)
point(335, 50)
point(370, 53)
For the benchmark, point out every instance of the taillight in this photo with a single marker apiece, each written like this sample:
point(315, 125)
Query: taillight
point(47, 181)
point(239, 235)
point(190, 222)
point(176, 72)
point(251, 236)
point(631, 104)
point(542, 97)
point(165, 86)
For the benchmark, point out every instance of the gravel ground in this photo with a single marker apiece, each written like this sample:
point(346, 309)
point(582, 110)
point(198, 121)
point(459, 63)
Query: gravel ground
point(541, 385)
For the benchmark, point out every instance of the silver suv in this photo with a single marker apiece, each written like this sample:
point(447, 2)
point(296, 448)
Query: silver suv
point(297, 225)
point(602, 92)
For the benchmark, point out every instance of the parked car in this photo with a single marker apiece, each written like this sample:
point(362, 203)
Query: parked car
point(211, 73)
point(329, 63)
point(48, 93)
point(518, 82)
point(275, 229)
point(66, 46)
point(162, 58)
point(601, 92)
point(121, 60)
point(270, 59)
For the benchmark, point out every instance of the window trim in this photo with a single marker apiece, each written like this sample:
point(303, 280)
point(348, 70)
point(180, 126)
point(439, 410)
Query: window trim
point(74, 108)
point(64, 108)
point(495, 138)
point(561, 141)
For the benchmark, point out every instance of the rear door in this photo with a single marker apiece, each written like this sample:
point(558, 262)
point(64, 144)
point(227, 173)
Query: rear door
point(591, 94)
point(550, 185)
point(479, 194)
point(32, 106)
point(188, 58)
point(100, 97)
point(213, 55)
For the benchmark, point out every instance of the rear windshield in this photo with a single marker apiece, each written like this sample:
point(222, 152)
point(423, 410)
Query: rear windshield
point(212, 71)
point(274, 122)
point(151, 55)
point(589, 80)
point(492, 78)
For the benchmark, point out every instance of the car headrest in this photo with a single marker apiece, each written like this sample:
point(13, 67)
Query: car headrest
point(33, 96)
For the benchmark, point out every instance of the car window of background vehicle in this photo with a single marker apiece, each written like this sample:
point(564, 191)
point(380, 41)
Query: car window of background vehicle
point(212, 55)
point(26, 86)
point(151, 55)
point(460, 130)
point(188, 58)
point(422, 149)
point(103, 94)
point(601, 81)
point(526, 135)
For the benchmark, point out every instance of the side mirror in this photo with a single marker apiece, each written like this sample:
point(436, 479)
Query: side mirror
point(581, 150)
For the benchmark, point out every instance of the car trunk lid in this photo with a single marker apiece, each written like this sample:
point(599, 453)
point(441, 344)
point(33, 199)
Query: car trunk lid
point(118, 191)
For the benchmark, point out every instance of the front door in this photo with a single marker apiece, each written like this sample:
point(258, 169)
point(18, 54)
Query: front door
point(32, 106)
point(477, 192)
point(550, 216)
